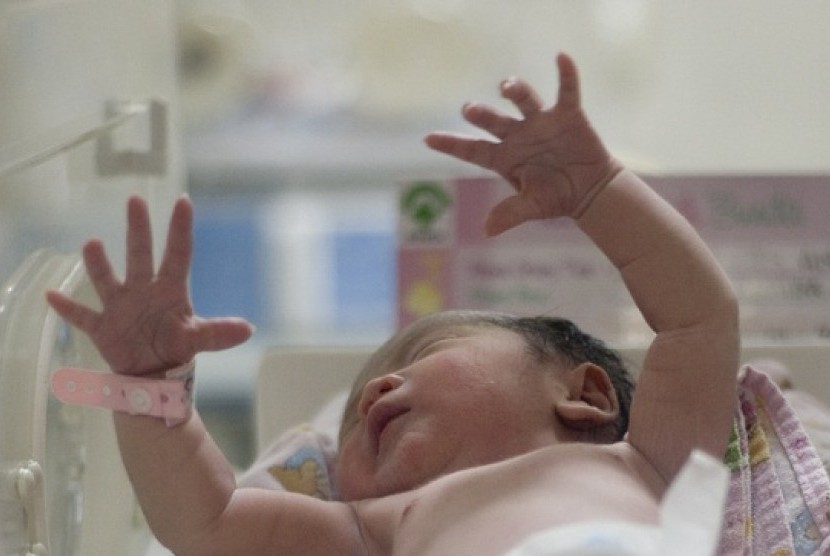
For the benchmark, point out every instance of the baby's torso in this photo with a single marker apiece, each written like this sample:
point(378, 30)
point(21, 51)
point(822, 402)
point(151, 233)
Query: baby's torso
point(489, 509)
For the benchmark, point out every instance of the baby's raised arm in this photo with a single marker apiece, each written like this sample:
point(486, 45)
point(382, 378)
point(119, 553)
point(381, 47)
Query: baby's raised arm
point(184, 484)
point(559, 167)
point(685, 396)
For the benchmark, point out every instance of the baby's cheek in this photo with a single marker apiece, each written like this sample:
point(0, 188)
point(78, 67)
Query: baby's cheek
point(350, 479)
point(346, 429)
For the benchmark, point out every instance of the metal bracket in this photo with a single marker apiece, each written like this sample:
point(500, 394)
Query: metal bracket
point(152, 161)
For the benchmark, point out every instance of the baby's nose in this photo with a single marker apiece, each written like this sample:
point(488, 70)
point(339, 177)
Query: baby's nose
point(376, 388)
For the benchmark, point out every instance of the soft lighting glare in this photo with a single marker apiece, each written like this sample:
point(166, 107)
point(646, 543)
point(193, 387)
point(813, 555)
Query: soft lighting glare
point(439, 10)
point(619, 21)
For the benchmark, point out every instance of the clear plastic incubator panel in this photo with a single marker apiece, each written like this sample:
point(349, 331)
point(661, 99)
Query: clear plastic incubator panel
point(87, 118)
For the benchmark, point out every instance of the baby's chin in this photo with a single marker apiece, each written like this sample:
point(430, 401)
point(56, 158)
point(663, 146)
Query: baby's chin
point(351, 489)
point(385, 481)
point(413, 462)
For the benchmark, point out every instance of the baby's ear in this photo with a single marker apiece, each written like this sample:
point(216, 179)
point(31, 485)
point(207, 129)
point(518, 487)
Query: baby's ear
point(591, 402)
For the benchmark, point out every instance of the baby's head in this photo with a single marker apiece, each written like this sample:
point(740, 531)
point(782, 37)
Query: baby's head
point(466, 388)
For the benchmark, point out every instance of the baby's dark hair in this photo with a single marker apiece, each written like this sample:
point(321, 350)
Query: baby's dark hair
point(556, 338)
point(549, 339)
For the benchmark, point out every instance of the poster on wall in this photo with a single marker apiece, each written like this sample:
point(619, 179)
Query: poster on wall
point(770, 233)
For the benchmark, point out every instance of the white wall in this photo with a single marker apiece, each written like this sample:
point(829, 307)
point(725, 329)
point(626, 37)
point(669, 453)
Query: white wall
point(710, 85)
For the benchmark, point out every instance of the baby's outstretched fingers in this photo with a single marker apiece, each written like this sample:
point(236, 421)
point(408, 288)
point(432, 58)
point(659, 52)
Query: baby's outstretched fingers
point(216, 334)
point(507, 214)
point(489, 119)
point(175, 264)
point(99, 269)
point(569, 95)
point(76, 314)
point(551, 156)
point(522, 95)
point(139, 242)
point(476, 151)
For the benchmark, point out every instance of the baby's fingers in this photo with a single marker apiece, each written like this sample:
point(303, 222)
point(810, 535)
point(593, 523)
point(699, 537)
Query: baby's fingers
point(569, 94)
point(80, 316)
point(175, 264)
point(99, 270)
point(220, 333)
point(521, 94)
point(476, 151)
point(507, 214)
point(489, 119)
point(139, 242)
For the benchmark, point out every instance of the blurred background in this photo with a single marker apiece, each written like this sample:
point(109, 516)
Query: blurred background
point(296, 121)
point(301, 117)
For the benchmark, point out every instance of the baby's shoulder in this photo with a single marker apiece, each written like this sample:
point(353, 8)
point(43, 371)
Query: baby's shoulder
point(379, 518)
point(630, 458)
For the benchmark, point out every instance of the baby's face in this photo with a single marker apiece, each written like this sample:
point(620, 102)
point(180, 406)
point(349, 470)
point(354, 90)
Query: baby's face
point(439, 401)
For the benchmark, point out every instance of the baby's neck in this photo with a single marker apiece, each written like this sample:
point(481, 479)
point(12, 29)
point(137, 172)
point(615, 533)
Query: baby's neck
point(489, 509)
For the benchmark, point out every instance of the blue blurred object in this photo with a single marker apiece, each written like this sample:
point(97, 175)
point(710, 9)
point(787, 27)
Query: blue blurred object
point(364, 278)
point(228, 263)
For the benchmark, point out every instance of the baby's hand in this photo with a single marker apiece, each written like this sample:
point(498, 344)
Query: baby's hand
point(552, 157)
point(147, 322)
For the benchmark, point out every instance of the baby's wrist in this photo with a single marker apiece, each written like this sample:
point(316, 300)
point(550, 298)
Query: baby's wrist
point(154, 374)
point(614, 167)
point(169, 396)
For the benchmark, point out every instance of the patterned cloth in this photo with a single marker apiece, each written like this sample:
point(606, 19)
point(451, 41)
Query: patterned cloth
point(301, 461)
point(779, 495)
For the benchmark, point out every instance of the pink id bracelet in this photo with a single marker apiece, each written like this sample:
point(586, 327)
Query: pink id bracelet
point(170, 398)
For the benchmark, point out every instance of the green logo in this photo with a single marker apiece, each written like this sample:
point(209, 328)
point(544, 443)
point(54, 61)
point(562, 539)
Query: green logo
point(424, 203)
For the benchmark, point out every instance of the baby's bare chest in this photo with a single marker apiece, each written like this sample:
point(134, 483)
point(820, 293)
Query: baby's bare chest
point(487, 510)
